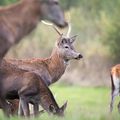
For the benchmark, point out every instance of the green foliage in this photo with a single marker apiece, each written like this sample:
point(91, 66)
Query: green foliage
point(111, 28)
point(4, 2)
point(112, 40)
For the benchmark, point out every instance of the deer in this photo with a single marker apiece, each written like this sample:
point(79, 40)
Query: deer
point(52, 68)
point(21, 18)
point(28, 87)
point(115, 85)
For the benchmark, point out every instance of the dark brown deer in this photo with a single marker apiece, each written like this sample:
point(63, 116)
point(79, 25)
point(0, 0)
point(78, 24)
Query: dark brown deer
point(28, 87)
point(52, 68)
point(18, 20)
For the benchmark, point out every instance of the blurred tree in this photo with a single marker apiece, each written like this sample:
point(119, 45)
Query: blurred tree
point(4, 2)
point(111, 36)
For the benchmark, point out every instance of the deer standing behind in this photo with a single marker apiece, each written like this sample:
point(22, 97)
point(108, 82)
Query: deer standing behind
point(19, 19)
point(115, 85)
point(52, 68)
point(28, 87)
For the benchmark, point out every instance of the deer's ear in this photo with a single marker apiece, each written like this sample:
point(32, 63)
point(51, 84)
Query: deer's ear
point(52, 109)
point(64, 106)
point(72, 39)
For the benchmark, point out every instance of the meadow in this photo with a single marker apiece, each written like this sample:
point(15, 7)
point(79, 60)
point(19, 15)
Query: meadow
point(84, 103)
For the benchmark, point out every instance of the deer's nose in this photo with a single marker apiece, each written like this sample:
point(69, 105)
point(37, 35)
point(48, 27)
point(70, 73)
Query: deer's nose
point(80, 56)
point(65, 24)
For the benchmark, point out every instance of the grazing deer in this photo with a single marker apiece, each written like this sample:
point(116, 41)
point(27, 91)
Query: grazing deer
point(28, 87)
point(52, 68)
point(19, 19)
point(115, 82)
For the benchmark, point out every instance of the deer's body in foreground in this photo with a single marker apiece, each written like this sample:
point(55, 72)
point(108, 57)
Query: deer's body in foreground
point(52, 68)
point(115, 82)
point(29, 88)
point(18, 20)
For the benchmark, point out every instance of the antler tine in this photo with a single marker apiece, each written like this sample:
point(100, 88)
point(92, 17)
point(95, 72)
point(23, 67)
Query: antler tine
point(50, 24)
point(69, 30)
point(57, 30)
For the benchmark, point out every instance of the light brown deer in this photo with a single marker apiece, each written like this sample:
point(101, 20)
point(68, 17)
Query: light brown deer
point(19, 19)
point(28, 87)
point(115, 85)
point(52, 68)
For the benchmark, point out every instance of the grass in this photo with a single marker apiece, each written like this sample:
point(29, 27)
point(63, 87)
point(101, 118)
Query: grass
point(83, 104)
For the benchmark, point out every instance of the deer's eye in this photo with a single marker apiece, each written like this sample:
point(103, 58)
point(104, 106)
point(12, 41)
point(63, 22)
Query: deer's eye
point(66, 47)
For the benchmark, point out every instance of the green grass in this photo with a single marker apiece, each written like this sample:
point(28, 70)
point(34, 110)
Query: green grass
point(83, 104)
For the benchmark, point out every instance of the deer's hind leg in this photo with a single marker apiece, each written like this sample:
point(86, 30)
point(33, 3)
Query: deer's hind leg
point(5, 107)
point(36, 109)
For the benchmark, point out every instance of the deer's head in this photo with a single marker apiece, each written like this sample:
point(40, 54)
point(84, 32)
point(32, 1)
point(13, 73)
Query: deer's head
point(51, 11)
point(64, 45)
point(57, 111)
point(66, 49)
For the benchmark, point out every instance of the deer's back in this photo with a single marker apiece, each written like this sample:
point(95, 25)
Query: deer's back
point(116, 70)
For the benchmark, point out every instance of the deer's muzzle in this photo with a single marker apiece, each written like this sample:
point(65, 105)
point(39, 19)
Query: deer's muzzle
point(62, 25)
point(79, 57)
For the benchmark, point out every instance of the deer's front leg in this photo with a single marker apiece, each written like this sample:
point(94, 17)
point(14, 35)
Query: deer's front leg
point(20, 110)
point(24, 106)
point(113, 95)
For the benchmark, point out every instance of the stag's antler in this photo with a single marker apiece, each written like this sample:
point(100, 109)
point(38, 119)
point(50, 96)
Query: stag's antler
point(50, 24)
point(69, 30)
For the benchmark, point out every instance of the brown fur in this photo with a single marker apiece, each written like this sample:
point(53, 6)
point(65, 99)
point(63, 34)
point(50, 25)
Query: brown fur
point(52, 68)
point(29, 88)
point(18, 20)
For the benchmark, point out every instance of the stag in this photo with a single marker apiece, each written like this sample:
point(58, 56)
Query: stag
point(21, 18)
point(28, 87)
point(52, 68)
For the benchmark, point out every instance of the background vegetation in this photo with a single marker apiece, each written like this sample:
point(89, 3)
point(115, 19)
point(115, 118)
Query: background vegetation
point(97, 23)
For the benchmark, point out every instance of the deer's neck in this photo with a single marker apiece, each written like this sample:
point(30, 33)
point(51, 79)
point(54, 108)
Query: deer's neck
point(47, 98)
point(56, 65)
point(23, 18)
